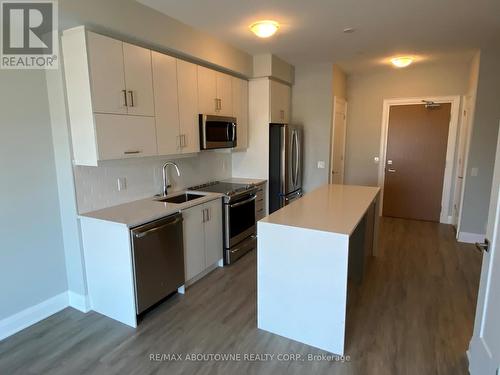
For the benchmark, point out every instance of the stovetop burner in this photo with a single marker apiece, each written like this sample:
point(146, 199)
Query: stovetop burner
point(226, 188)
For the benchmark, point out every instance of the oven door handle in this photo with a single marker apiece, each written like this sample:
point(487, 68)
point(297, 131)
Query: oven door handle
point(243, 202)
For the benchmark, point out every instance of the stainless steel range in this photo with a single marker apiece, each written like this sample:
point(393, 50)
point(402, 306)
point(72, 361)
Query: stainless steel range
point(239, 217)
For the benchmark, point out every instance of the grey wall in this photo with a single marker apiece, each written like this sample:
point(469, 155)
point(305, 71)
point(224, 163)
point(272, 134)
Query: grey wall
point(129, 20)
point(482, 145)
point(32, 267)
point(365, 95)
point(312, 108)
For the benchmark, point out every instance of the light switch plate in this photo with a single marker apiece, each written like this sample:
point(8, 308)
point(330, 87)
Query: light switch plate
point(121, 183)
point(321, 164)
point(474, 171)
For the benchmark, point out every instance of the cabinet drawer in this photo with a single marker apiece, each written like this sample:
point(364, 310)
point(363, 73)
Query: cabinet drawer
point(123, 136)
point(259, 213)
point(259, 204)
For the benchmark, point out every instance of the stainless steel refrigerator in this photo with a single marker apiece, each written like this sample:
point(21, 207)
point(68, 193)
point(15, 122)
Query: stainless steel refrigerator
point(285, 165)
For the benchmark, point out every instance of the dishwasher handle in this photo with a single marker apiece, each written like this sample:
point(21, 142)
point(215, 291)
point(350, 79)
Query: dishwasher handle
point(152, 230)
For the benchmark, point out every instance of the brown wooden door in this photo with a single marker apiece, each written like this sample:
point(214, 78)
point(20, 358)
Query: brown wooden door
point(415, 161)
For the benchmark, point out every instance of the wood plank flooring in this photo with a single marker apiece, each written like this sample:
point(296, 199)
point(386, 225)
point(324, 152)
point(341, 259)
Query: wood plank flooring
point(413, 314)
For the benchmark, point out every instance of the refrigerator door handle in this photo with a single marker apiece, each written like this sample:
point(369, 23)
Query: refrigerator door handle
point(296, 157)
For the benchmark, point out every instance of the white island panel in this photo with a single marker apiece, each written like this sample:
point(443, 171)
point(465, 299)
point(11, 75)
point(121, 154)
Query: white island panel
point(302, 284)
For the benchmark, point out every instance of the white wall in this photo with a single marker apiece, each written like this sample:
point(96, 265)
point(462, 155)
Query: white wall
point(339, 83)
point(482, 145)
point(32, 264)
point(97, 187)
point(312, 103)
point(365, 95)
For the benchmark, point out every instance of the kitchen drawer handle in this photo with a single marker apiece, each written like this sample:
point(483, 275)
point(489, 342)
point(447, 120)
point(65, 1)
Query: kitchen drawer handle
point(243, 202)
point(132, 152)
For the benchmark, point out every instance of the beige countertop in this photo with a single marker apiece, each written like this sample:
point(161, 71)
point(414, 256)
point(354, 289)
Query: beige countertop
point(330, 208)
point(238, 180)
point(145, 210)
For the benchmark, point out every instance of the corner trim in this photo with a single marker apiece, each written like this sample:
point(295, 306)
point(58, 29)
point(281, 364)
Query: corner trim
point(32, 315)
point(470, 237)
point(78, 301)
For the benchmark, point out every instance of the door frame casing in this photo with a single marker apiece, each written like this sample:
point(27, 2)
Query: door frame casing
point(455, 101)
point(332, 135)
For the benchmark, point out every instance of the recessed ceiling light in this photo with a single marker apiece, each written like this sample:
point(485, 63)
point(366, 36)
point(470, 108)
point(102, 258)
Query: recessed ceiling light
point(402, 61)
point(349, 30)
point(265, 28)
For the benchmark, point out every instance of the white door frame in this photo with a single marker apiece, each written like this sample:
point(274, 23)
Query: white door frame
point(450, 148)
point(483, 355)
point(330, 167)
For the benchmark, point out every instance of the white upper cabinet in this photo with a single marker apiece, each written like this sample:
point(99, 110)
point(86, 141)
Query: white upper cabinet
point(207, 91)
point(121, 137)
point(240, 111)
point(166, 104)
point(187, 86)
point(109, 77)
point(280, 102)
point(138, 80)
point(214, 92)
point(224, 94)
point(107, 74)
point(107, 81)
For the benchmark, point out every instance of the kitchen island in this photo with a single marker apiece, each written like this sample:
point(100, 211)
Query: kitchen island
point(307, 252)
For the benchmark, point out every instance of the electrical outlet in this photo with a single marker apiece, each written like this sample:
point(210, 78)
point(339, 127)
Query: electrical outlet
point(474, 171)
point(121, 183)
point(321, 164)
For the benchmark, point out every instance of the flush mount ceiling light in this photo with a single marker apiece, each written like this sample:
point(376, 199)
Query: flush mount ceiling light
point(402, 61)
point(264, 29)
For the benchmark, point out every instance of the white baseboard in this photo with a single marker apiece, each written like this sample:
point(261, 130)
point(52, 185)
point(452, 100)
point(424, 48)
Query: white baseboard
point(470, 237)
point(78, 301)
point(446, 219)
point(32, 315)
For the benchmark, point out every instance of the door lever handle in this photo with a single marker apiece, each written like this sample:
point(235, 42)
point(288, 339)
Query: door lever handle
point(484, 246)
point(390, 170)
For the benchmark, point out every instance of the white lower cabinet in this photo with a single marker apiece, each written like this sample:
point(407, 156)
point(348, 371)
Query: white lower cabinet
point(202, 237)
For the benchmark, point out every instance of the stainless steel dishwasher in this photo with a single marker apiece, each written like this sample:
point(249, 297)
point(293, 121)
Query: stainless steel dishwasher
point(158, 256)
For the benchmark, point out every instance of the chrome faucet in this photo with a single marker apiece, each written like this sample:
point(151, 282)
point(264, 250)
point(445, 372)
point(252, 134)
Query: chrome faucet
point(165, 177)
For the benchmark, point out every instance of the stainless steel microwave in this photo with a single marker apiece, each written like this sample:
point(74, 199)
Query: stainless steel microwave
point(217, 132)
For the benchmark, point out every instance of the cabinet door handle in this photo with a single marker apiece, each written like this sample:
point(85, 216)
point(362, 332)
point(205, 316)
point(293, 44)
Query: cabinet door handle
point(208, 214)
point(132, 152)
point(220, 104)
point(125, 102)
point(131, 93)
point(183, 140)
point(216, 104)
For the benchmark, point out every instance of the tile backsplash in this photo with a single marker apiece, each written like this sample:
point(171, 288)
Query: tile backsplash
point(97, 187)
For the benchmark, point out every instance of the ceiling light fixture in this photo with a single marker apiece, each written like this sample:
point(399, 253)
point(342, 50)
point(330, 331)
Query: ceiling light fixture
point(264, 29)
point(349, 30)
point(402, 61)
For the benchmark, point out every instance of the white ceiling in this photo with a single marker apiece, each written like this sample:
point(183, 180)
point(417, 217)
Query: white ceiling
point(312, 30)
